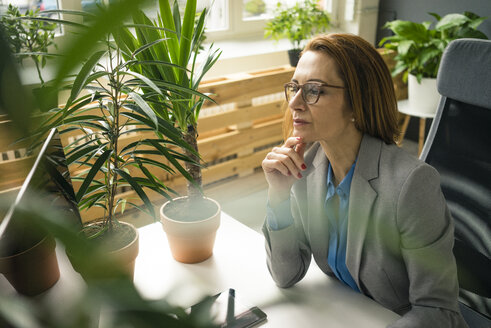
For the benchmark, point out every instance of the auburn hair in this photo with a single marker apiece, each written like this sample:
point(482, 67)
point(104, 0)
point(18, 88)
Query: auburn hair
point(368, 82)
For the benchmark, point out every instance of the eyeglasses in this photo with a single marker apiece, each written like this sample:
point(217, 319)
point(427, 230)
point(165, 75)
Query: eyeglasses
point(311, 91)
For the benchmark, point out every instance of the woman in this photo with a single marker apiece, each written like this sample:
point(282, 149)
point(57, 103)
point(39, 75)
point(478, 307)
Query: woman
point(340, 189)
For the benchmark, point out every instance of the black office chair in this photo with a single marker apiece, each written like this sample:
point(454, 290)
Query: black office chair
point(459, 147)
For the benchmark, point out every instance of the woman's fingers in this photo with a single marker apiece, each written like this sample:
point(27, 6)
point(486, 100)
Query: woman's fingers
point(271, 166)
point(294, 148)
point(292, 142)
point(300, 150)
point(287, 159)
point(281, 163)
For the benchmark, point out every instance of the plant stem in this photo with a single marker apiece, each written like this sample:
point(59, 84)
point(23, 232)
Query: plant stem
point(38, 69)
point(30, 46)
point(194, 190)
point(113, 142)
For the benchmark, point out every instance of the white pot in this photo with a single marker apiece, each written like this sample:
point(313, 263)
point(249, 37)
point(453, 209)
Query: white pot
point(191, 241)
point(424, 96)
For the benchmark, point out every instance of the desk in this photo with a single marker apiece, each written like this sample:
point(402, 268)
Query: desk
point(239, 262)
point(404, 108)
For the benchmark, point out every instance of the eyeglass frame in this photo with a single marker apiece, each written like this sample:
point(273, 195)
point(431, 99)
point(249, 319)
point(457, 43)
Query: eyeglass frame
point(300, 87)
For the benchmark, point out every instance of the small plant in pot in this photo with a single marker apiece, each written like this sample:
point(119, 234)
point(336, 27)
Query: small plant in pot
point(27, 251)
point(29, 36)
point(107, 160)
point(297, 24)
point(191, 221)
point(420, 47)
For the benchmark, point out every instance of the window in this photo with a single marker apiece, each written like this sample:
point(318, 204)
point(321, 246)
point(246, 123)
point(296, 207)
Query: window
point(243, 18)
point(261, 9)
point(217, 19)
point(25, 5)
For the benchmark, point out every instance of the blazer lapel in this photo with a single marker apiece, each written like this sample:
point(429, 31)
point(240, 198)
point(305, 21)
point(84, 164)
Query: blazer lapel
point(362, 198)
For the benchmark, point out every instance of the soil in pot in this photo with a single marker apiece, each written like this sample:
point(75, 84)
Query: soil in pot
point(187, 210)
point(118, 237)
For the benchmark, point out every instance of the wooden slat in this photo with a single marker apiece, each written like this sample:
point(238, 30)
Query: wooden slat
point(244, 87)
point(235, 141)
point(14, 172)
point(243, 114)
point(9, 137)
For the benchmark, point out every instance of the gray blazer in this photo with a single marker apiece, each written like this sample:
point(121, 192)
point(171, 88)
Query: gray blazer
point(400, 234)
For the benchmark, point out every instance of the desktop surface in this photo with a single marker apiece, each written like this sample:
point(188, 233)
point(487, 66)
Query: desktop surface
point(239, 262)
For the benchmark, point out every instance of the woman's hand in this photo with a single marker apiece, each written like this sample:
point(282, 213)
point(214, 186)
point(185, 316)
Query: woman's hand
point(283, 166)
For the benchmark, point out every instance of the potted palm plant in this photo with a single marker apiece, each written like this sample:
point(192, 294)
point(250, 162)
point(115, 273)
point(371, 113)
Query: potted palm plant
point(297, 24)
point(106, 105)
point(30, 37)
point(190, 221)
point(420, 47)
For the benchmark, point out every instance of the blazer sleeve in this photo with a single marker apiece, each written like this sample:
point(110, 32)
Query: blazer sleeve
point(427, 236)
point(288, 253)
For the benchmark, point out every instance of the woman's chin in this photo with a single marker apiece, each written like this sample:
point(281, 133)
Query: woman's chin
point(304, 136)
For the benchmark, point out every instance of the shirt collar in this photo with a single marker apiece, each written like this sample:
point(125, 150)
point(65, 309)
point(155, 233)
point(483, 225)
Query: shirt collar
point(344, 186)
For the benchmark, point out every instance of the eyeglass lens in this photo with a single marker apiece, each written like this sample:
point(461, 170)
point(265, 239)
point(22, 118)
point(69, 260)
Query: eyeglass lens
point(310, 92)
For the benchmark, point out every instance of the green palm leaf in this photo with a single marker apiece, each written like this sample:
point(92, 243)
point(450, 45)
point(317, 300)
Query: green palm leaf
point(93, 171)
point(81, 79)
point(145, 108)
point(134, 184)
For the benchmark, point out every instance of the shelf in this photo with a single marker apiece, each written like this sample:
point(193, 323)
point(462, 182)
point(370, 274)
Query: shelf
point(404, 108)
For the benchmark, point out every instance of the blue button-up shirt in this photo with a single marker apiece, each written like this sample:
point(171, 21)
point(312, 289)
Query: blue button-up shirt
point(336, 206)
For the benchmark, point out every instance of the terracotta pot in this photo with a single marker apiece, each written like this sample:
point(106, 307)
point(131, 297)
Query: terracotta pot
point(191, 241)
point(32, 271)
point(124, 258)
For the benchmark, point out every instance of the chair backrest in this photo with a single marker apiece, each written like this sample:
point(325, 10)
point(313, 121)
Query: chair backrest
point(459, 147)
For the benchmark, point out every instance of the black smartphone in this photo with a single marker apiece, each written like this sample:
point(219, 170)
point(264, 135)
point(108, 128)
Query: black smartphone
point(228, 312)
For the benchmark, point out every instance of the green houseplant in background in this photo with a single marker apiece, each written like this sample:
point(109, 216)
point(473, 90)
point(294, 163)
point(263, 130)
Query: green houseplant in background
point(176, 41)
point(420, 47)
point(30, 38)
point(297, 24)
point(254, 8)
